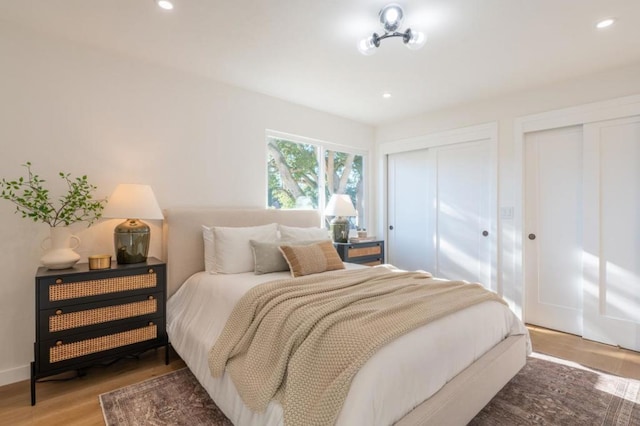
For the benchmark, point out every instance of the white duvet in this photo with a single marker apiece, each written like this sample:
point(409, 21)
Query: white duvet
point(396, 379)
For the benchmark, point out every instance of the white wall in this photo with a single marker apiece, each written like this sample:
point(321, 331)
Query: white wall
point(66, 107)
point(504, 110)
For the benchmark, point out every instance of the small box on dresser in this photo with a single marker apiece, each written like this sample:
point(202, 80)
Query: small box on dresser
point(84, 317)
point(369, 253)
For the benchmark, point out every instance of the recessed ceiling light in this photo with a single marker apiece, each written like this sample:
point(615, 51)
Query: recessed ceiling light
point(386, 95)
point(605, 23)
point(165, 4)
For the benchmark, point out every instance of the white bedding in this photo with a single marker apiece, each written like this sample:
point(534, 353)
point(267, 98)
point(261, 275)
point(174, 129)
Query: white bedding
point(396, 379)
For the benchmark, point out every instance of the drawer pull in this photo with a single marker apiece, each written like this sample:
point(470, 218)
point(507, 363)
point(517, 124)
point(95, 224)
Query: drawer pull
point(58, 280)
point(150, 270)
point(59, 312)
point(59, 343)
point(150, 297)
point(150, 322)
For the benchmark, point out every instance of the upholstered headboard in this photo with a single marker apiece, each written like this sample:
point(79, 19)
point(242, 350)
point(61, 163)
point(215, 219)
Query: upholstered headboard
point(182, 239)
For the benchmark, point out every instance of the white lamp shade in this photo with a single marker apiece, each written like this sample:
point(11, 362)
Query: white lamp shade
point(340, 205)
point(132, 201)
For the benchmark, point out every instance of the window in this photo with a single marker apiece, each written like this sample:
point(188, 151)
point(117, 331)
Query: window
point(303, 174)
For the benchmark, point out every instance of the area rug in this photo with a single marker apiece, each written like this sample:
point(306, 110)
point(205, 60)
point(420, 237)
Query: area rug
point(547, 391)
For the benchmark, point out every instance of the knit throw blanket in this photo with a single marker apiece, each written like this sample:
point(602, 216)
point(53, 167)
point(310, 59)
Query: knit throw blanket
point(302, 340)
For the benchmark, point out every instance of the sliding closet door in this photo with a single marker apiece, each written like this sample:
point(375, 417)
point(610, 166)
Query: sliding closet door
point(553, 229)
point(612, 232)
point(409, 244)
point(464, 200)
point(441, 211)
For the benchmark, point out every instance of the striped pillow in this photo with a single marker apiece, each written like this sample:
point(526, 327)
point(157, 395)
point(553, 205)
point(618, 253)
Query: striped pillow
point(312, 258)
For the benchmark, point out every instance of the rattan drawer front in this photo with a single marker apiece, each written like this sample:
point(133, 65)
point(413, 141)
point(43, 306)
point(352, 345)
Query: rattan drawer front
point(78, 319)
point(79, 289)
point(364, 251)
point(63, 351)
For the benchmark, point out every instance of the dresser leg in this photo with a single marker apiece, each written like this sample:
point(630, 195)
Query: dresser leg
point(33, 383)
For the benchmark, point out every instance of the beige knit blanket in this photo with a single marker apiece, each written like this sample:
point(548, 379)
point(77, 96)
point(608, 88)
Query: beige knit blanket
point(302, 340)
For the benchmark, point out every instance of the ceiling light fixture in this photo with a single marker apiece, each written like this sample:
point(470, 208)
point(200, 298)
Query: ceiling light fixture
point(391, 18)
point(386, 95)
point(165, 4)
point(605, 23)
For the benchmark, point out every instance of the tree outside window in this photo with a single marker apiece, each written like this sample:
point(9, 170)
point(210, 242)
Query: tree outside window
point(293, 170)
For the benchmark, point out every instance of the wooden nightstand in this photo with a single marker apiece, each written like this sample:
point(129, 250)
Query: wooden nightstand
point(85, 317)
point(369, 253)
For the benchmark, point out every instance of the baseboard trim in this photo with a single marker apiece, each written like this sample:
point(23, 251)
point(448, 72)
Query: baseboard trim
point(15, 375)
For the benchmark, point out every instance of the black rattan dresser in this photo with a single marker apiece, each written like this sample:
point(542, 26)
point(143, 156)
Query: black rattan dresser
point(85, 317)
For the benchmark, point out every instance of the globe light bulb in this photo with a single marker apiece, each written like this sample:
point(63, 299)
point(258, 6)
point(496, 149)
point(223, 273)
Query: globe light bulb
point(417, 40)
point(367, 46)
point(391, 17)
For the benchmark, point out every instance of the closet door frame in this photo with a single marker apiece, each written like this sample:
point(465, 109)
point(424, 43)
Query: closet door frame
point(584, 114)
point(487, 131)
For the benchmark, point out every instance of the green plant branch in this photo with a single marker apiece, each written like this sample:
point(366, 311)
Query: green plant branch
point(32, 200)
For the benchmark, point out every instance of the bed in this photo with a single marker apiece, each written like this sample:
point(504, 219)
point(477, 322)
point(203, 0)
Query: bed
point(410, 381)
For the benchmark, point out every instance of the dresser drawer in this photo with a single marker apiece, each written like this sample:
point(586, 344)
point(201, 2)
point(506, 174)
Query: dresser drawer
point(65, 290)
point(71, 319)
point(82, 348)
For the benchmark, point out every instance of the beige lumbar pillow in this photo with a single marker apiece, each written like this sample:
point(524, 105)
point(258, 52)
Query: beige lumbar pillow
point(312, 258)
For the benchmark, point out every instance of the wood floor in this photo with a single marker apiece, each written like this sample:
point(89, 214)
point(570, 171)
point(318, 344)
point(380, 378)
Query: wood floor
point(75, 402)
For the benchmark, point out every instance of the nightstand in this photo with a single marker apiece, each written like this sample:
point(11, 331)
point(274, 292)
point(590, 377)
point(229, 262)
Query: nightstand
point(368, 253)
point(85, 317)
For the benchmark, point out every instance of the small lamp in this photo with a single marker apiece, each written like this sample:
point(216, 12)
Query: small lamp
point(131, 237)
point(339, 206)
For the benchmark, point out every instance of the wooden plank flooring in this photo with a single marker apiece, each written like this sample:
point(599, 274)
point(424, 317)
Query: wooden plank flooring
point(75, 402)
point(611, 359)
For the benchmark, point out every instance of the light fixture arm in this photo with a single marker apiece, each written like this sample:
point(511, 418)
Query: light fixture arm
point(406, 36)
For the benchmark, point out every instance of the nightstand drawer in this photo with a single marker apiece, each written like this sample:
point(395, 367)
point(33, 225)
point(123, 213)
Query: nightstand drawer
point(368, 253)
point(65, 290)
point(72, 319)
point(59, 353)
point(358, 251)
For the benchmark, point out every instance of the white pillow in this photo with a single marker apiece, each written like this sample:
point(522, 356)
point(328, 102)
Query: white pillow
point(292, 233)
point(209, 249)
point(233, 250)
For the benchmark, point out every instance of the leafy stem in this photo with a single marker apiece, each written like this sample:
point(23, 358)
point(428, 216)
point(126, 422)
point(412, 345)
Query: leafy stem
point(32, 199)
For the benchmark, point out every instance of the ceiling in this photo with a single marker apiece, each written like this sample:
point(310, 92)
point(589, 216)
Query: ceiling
point(304, 51)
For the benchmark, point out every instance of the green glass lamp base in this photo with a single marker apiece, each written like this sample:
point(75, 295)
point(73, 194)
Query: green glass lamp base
point(339, 230)
point(131, 241)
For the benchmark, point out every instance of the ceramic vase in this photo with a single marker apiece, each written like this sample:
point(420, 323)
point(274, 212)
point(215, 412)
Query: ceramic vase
point(59, 246)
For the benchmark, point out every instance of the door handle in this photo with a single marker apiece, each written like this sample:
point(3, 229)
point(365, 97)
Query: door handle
point(532, 236)
point(485, 233)
point(390, 227)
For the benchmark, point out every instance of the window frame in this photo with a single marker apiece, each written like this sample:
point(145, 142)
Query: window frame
point(322, 147)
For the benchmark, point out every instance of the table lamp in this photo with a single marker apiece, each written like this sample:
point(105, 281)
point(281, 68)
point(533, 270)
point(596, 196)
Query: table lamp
point(339, 207)
point(131, 237)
